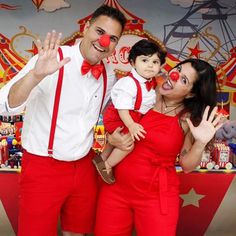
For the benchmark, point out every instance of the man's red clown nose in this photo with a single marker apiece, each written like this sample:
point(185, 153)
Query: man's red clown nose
point(104, 40)
point(174, 75)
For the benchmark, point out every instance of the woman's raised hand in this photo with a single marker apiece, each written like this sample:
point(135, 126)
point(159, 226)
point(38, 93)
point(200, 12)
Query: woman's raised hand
point(47, 62)
point(205, 131)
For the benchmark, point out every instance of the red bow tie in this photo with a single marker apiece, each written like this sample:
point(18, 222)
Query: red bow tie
point(151, 84)
point(96, 70)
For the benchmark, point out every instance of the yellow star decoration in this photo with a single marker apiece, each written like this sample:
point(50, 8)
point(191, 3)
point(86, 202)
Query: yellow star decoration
point(191, 198)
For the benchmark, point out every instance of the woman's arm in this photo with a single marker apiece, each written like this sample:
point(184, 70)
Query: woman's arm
point(197, 139)
point(191, 153)
point(121, 141)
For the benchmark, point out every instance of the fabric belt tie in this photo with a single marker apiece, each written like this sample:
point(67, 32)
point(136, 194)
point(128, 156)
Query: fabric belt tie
point(161, 172)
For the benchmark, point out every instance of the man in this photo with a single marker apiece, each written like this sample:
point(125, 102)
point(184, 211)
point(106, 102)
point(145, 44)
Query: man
point(63, 100)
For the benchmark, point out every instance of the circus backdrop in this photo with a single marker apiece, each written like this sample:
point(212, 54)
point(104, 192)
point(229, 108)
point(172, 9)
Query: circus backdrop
point(202, 29)
point(199, 29)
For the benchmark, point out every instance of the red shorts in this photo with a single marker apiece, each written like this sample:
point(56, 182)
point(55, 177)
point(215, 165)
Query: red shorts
point(112, 121)
point(50, 189)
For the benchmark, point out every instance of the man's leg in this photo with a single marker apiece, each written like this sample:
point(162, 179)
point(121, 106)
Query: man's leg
point(78, 211)
point(44, 186)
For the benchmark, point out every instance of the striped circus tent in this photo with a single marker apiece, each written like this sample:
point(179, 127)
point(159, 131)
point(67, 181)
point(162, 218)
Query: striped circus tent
point(171, 61)
point(227, 72)
point(10, 62)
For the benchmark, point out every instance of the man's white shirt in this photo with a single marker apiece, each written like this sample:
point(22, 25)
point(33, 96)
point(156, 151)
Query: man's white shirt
point(79, 107)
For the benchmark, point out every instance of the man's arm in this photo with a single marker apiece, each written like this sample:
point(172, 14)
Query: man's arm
point(20, 91)
point(46, 64)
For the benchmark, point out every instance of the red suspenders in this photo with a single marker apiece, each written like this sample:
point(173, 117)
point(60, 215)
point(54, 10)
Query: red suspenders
point(139, 93)
point(57, 100)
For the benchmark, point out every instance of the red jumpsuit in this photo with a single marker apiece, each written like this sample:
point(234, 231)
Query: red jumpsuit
point(146, 193)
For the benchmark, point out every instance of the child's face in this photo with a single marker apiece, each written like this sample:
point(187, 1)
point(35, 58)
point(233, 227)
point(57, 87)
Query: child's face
point(147, 66)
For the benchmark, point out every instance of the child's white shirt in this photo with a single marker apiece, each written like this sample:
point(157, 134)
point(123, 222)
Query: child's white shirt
point(124, 92)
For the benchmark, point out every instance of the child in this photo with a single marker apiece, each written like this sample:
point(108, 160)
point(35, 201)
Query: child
point(132, 96)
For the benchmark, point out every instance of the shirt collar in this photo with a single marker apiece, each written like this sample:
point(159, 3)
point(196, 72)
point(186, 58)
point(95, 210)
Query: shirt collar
point(80, 57)
point(137, 76)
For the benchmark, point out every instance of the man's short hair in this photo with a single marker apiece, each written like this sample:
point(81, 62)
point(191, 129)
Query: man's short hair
point(111, 12)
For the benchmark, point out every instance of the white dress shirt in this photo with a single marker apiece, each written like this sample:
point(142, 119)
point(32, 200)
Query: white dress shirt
point(79, 107)
point(124, 93)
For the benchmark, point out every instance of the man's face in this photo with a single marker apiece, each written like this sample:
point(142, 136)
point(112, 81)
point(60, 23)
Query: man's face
point(90, 48)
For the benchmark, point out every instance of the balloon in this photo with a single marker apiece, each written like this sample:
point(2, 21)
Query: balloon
point(4, 142)
point(14, 142)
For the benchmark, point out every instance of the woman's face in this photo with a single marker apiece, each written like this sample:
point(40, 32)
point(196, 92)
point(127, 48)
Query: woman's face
point(181, 88)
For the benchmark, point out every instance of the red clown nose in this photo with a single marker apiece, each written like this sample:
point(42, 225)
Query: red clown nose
point(174, 75)
point(104, 40)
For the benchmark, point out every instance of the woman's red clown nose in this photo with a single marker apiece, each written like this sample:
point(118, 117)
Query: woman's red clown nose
point(174, 75)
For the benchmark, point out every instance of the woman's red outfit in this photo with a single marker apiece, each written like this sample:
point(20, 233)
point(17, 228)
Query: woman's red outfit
point(146, 193)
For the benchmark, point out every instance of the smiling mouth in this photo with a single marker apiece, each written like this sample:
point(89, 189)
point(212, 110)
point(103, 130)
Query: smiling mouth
point(98, 48)
point(169, 83)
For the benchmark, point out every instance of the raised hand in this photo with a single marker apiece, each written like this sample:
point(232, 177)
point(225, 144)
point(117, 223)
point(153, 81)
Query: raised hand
point(205, 131)
point(47, 62)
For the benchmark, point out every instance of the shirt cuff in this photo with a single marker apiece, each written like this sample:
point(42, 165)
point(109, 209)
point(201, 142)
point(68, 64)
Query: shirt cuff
point(14, 110)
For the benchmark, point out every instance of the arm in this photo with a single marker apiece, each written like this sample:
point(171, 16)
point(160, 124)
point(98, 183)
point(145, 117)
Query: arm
point(121, 141)
point(196, 140)
point(46, 64)
point(136, 130)
point(20, 91)
point(191, 153)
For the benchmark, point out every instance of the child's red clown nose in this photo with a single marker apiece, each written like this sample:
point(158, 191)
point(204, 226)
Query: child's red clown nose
point(104, 40)
point(174, 75)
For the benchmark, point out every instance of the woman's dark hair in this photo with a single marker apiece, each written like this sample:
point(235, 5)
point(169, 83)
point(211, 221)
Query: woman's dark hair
point(111, 12)
point(147, 47)
point(204, 89)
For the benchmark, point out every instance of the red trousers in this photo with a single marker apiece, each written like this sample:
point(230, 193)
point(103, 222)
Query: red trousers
point(52, 189)
point(118, 214)
point(112, 121)
point(145, 197)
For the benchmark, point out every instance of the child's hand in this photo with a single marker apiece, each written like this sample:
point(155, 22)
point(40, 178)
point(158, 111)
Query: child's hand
point(136, 131)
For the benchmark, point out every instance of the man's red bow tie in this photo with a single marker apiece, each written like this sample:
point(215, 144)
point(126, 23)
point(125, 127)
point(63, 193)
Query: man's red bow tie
point(96, 70)
point(151, 84)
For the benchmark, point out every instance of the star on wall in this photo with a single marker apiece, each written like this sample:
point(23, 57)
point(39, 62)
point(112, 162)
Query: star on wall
point(191, 198)
point(33, 50)
point(195, 51)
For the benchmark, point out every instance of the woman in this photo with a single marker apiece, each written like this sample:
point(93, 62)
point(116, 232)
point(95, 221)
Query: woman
point(146, 192)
